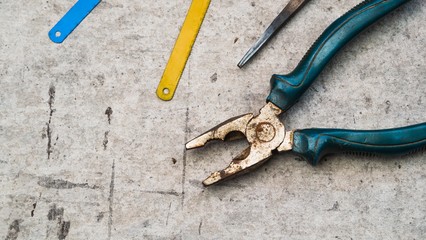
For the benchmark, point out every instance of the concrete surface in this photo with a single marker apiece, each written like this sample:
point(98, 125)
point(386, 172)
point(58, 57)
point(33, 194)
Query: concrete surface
point(87, 150)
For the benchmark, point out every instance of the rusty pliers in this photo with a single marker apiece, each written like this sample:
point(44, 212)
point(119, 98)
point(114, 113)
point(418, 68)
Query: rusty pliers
point(266, 133)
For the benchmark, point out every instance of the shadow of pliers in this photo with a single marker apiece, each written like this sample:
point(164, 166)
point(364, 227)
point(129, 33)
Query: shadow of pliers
point(266, 133)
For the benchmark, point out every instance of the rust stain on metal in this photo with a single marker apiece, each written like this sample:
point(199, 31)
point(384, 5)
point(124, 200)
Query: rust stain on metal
point(264, 132)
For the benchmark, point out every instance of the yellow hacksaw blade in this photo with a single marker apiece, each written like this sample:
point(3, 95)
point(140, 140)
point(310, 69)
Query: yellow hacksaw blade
point(183, 46)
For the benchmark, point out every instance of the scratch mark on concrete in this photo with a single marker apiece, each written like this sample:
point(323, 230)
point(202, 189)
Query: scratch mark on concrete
point(48, 182)
point(108, 112)
point(168, 214)
point(199, 227)
point(14, 229)
point(335, 207)
point(388, 105)
point(146, 224)
point(49, 129)
point(99, 217)
point(213, 77)
point(55, 213)
point(56, 140)
point(174, 193)
point(64, 228)
point(34, 207)
point(184, 156)
point(58, 215)
point(111, 199)
point(105, 142)
point(49, 140)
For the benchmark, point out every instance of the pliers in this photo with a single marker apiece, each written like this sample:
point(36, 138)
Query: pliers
point(266, 133)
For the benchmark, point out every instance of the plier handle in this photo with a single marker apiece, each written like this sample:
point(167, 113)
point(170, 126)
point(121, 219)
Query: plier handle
point(266, 133)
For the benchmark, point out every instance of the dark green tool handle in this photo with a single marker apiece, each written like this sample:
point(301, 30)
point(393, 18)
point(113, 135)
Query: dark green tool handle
point(314, 144)
point(287, 89)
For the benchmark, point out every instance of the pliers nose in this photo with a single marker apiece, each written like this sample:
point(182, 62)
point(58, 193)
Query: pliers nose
point(221, 131)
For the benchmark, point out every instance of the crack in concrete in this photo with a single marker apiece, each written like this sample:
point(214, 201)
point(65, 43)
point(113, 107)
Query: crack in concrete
point(168, 214)
point(199, 227)
point(184, 156)
point(111, 198)
point(49, 182)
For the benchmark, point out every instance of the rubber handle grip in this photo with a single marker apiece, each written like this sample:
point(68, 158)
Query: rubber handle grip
point(287, 89)
point(314, 144)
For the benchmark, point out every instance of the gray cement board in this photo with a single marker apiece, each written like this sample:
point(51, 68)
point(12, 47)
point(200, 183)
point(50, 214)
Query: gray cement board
point(67, 173)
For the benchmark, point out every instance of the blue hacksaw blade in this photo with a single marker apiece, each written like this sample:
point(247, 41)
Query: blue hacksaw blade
point(72, 19)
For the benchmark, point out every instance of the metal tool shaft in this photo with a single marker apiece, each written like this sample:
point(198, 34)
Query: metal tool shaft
point(292, 7)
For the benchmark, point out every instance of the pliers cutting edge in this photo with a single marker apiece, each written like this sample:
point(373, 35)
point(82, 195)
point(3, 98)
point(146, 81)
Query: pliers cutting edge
point(266, 133)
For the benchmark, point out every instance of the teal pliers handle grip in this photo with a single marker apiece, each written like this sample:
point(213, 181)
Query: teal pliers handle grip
point(287, 89)
point(314, 144)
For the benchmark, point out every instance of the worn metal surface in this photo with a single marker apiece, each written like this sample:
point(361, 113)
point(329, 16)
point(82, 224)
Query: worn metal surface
point(264, 133)
point(87, 150)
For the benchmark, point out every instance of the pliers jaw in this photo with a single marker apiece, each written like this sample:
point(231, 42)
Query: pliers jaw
point(221, 131)
point(264, 132)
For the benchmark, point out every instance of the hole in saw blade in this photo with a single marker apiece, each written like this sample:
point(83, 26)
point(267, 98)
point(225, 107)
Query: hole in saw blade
point(166, 91)
point(57, 34)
